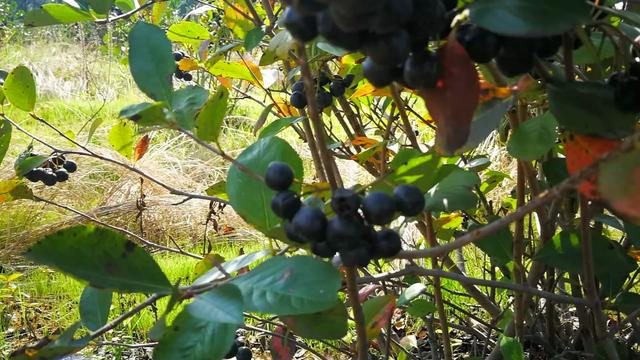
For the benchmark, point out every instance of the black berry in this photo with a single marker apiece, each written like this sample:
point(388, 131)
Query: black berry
point(323, 99)
point(379, 208)
point(62, 175)
point(328, 29)
point(345, 202)
point(515, 57)
point(298, 86)
point(337, 88)
point(301, 27)
point(422, 70)
point(178, 55)
point(346, 232)
point(309, 224)
point(378, 75)
point(348, 80)
point(547, 46)
point(244, 353)
point(292, 234)
point(70, 166)
point(481, 45)
point(49, 178)
point(279, 176)
point(359, 256)
point(392, 16)
point(389, 50)
point(323, 79)
point(35, 175)
point(286, 204)
point(409, 200)
point(187, 77)
point(386, 244)
point(627, 94)
point(298, 100)
point(322, 249)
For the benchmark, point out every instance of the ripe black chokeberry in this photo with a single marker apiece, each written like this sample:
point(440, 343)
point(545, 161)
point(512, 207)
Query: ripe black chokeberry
point(309, 224)
point(298, 86)
point(337, 88)
point(323, 78)
point(178, 55)
point(187, 77)
point(627, 94)
point(390, 49)
point(428, 20)
point(345, 202)
point(49, 178)
point(286, 204)
point(422, 70)
point(292, 234)
point(359, 256)
point(62, 175)
point(346, 232)
point(298, 100)
point(35, 175)
point(634, 69)
point(70, 166)
point(348, 80)
point(481, 45)
point(386, 244)
point(351, 16)
point(322, 249)
point(547, 46)
point(327, 27)
point(392, 16)
point(240, 341)
point(409, 200)
point(379, 75)
point(515, 56)
point(244, 353)
point(232, 352)
point(323, 99)
point(279, 176)
point(301, 27)
point(308, 7)
point(379, 208)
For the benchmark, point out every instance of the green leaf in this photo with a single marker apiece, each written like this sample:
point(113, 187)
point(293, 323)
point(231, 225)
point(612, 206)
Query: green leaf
point(23, 165)
point(253, 38)
point(55, 348)
point(94, 307)
point(331, 324)
point(454, 192)
point(5, 138)
point(627, 302)
point(186, 102)
point(251, 198)
point(14, 190)
point(529, 18)
point(151, 61)
point(604, 50)
point(52, 14)
point(222, 304)
point(103, 258)
point(95, 124)
point(290, 286)
point(492, 180)
point(423, 171)
point(331, 49)
point(377, 312)
point(231, 266)
point(146, 114)
point(126, 5)
point(20, 88)
point(187, 32)
point(101, 6)
point(122, 138)
point(555, 170)
point(420, 308)
point(534, 138)
point(498, 246)
point(219, 190)
point(411, 293)
point(485, 121)
point(3, 98)
point(588, 108)
point(511, 349)
point(211, 117)
point(279, 47)
point(194, 338)
point(232, 70)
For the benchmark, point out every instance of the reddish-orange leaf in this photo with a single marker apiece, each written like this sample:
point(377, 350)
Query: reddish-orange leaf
point(377, 313)
point(454, 100)
point(225, 82)
point(369, 90)
point(366, 291)
point(581, 152)
point(364, 142)
point(141, 148)
point(187, 64)
point(282, 347)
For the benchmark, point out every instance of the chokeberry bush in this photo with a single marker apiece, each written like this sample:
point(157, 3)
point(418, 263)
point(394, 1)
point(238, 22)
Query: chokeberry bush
point(429, 98)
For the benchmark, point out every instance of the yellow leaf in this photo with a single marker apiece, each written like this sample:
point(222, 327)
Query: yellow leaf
point(369, 90)
point(13, 190)
point(284, 108)
point(255, 69)
point(188, 64)
point(364, 142)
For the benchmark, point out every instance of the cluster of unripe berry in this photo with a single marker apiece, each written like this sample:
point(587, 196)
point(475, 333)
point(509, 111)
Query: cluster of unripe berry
point(54, 170)
point(627, 88)
point(350, 232)
point(239, 349)
point(181, 74)
point(324, 96)
point(394, 34)
point(514, 56)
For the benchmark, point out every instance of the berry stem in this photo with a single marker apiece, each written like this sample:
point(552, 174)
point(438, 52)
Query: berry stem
point(358, 315)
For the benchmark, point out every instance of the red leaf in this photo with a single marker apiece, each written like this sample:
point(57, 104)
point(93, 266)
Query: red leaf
point(581, 152)
point(377, 313)
point(453, 102)
point(141, 148)
point(282, 348)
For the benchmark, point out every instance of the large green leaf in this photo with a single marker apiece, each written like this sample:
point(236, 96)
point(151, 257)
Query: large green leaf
point(195, 338)
point(454, 192)
point(277, 126)
point(377, 313)
point(627, 302)
point(52, 14)
point(126, 5)
point(151, 60)
point(94, 307)
point(529, 18)
point(222, 304)
point(186, 102)
point(485, 121)
point(101, 6)
point(146, 114)
point(290, 286)
point(498, 246)
point(103, 258)
point(122, 138)
point(187, 32)
point(24, 164)
point(330, 324)
point(231, 266)
point(251, 198)
point(534, 138)
point(232, 70)
point(253, 38)
point(20, 88)
point(421, 307)
point(511, 348)
point(415, 168)
point(5, 138)
point(210, 119)
point(588, 108)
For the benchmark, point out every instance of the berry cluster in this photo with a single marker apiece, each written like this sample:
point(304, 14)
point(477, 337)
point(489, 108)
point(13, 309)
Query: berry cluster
point(394, 34)
point(351, 231)
point(239, 349)
point(56, 169)
point(324, 96)
point(514, 56)
point(627, 88)
point(180, 74)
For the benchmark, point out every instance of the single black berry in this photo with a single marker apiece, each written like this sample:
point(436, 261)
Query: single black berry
point(70, 166)
point(301, 27)
point(323, 78)
point(35, 175)
point(240, 341)
point(359, 256)
point(298, 86)
point(323, 99)
point(298, 100)
point(547, 46)
point(515, 57)
point(337, 88)
point(393, 15)
point(244, 353)
point(308, 7)
point(346, 232)
point(187, 77)
point(286, 204)
point(232, 352)
point(345, 202)
point(390, 49)
point(62, 175)
point(379, 208)
point(328, 29)
point(348, 80)
point(292, 234)
point(178, 55)
point(481, 45)
point(379, 75)
point(279, 176)
point(422, 70)
point(179, 74)
point(409, 200)
point(634, 69)
point(322, 249)
point(386, 244)
point(49, 178)
point(309, 224)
